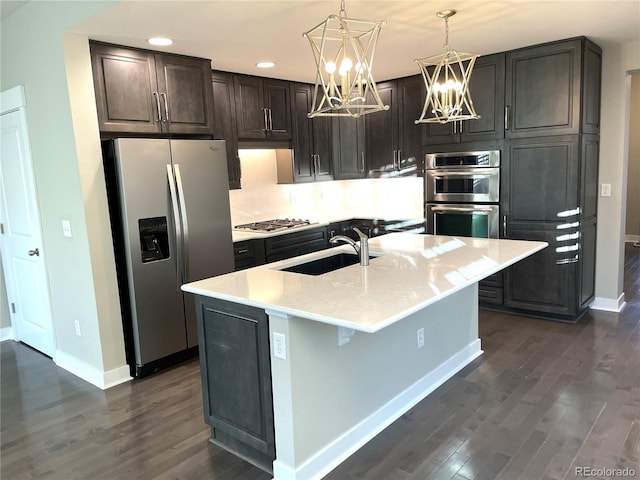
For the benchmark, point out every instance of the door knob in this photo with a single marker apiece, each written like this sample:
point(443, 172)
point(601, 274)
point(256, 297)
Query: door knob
point(35, 252)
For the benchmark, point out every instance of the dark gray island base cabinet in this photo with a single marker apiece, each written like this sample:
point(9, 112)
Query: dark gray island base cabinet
point(235, 367)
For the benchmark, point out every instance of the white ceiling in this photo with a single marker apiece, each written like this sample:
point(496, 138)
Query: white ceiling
point(236, 34)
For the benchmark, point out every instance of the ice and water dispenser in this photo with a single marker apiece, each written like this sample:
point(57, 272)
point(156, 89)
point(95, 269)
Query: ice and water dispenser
point(154, 241)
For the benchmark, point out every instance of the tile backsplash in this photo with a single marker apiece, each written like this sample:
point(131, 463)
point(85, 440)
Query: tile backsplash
point(262, 198)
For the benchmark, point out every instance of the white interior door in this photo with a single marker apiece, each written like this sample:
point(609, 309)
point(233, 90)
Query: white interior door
point(21, 235)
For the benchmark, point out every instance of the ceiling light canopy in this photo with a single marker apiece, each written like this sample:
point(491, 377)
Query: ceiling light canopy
point(343, 50)
point(447, 80)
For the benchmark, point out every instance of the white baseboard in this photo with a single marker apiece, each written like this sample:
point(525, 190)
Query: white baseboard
point(91, 374)
point(346, 445)
point(6, 333)
point(609, 304)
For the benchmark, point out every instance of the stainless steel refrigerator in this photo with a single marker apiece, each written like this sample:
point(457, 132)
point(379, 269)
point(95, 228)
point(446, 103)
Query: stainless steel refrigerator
point(169, 206)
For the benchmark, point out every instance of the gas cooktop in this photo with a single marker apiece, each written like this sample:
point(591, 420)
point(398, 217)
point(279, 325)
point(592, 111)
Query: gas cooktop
point(273, 225)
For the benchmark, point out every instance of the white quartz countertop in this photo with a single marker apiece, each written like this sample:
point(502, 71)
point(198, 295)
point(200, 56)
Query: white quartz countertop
point(410, 272)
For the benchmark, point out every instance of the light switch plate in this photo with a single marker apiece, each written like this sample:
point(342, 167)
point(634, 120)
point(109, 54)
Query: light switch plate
point(605, 190)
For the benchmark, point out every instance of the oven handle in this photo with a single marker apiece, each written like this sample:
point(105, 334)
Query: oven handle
point(463, 173)
point(480, 210)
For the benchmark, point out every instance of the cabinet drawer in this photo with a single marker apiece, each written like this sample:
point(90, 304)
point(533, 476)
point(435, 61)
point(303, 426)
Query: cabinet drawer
point(490, 295)
point(494, 280)
point(277, 244)
point(294, 244)
point(248, 253)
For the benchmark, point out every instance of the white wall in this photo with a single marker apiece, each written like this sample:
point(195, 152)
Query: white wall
point(55, 71)
point(614, 134)
point(632, 230)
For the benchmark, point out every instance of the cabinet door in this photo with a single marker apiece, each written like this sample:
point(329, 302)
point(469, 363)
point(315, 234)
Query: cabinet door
point(544, 282)
point(236, 377)
point(440, 134)
point(539, 201)
point(381, 133)
point(486, 88)
point(303, 156)
point(411, 92)
point(322, 146)
point(348, 152)
point(224, 122)
point(184, 84)
point(250, 110)
point(276, 100)
point(487, 93)
point(591, 87)
point(543, 90)
point(540, 179)
point(126, 90)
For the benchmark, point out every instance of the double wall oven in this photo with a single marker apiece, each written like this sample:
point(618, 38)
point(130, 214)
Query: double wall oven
point(462, 193)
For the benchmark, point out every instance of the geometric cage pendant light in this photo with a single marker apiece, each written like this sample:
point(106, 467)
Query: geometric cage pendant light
point(344, 50)
point(446, 77)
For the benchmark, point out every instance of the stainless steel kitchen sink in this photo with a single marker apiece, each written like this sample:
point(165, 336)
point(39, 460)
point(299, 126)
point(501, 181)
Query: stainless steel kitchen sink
point(325, 264)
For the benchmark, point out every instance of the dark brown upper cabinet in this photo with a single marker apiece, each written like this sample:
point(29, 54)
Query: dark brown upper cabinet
point(393, 140)
point(263, 108)
point(224, 122)
point(553, 89)
point(348, 148)
point(311, 140)
point(486, 88)
point(146, 92)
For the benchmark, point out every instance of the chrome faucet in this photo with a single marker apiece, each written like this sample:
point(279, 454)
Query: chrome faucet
point(362, 250)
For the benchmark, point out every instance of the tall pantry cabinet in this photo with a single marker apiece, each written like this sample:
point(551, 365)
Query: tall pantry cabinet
point(550, 173)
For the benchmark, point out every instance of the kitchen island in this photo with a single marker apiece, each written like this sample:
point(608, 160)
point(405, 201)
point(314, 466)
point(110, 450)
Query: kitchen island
point(338, 356)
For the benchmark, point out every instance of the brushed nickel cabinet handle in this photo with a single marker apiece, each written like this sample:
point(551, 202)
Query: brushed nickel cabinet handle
point(157, 97)
point(506, 117)
point(166, 107)
point(504, 226)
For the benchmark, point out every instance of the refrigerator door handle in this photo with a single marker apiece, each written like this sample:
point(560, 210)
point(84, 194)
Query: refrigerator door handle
point(185, 225)
point(177, 224)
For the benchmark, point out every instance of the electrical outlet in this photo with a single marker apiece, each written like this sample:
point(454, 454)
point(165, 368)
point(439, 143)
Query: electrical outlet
point(77, 324)
point(279, 345)
point(420, 337)
point(66, 228)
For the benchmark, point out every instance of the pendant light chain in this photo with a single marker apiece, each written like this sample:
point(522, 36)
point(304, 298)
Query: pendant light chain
point(446, 34)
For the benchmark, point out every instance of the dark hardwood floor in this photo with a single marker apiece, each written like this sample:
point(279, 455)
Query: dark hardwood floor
point(544, 400)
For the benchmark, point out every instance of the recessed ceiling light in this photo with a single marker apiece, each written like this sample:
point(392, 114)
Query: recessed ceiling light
point(265, 64)
point(159, 41)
